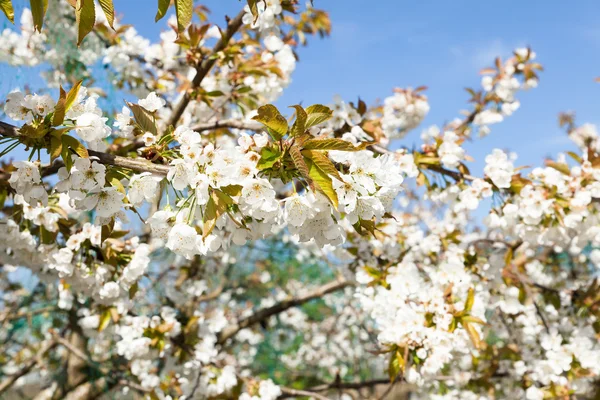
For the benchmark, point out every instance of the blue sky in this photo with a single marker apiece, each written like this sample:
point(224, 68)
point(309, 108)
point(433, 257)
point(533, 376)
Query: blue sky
point(378, 45)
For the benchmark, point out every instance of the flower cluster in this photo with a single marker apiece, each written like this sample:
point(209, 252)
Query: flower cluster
point(256, 237)
point(403, 111)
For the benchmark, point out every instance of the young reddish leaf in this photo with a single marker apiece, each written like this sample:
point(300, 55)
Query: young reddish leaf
point(299, 125)
point(333, 144)
point(300, 164)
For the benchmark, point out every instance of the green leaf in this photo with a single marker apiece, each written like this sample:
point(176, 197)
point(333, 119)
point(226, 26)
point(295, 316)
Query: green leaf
point(116, 183)
point(163, 7)
point(299, 125)
point(7, 8)
point(322, 181)
point(59, 110)
point(32, 132)
point(109, 11)
point(364, 226)
point(396, 365)
point(232, 190)
point(143, 118)
point(472, 334)
point(575, 157)
point(67, 158)
point(333, 144)
point(560, 167)
point(473, 320)
point(75, 145)
point(85, 17)
point(106, 230)
point(38, 11)
point(61, 131)
point(470, 300)
point(133, 290)
point(216, 206)
point(317, 114)
point(215, 93)
point(323, 162)
point(270, 117)
point(184, 10)
point(3, 196)
point(252, 4)
point(56, 148)
point(104, 320)
point(268, 157)
point(72, 95)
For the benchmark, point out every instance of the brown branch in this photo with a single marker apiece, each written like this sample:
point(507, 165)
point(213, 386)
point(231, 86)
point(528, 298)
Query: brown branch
point(137, 165)
point(333, 386)
point(349, 385)
point(29, 365)
point(229, 123)
point(6, 316)
point(106, 371)
point(289, 392)
point(457, 176)
point(205, 66)
point(74, 350)
point(263, 314)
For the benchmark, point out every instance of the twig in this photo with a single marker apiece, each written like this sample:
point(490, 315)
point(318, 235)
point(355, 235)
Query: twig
point(261, 315)
point(138, 165)
point(206, 65)
point(229, 123)
point(289, 392)
point(29, 365)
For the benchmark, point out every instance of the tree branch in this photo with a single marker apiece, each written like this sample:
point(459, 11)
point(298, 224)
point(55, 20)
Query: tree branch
point(331, 386)
point(137, 165)
point(206, 65)
point(457, 176)
point(78, 353)
point(261, 315)
point(29, 365)
point(289, 392)
point(229, 123)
